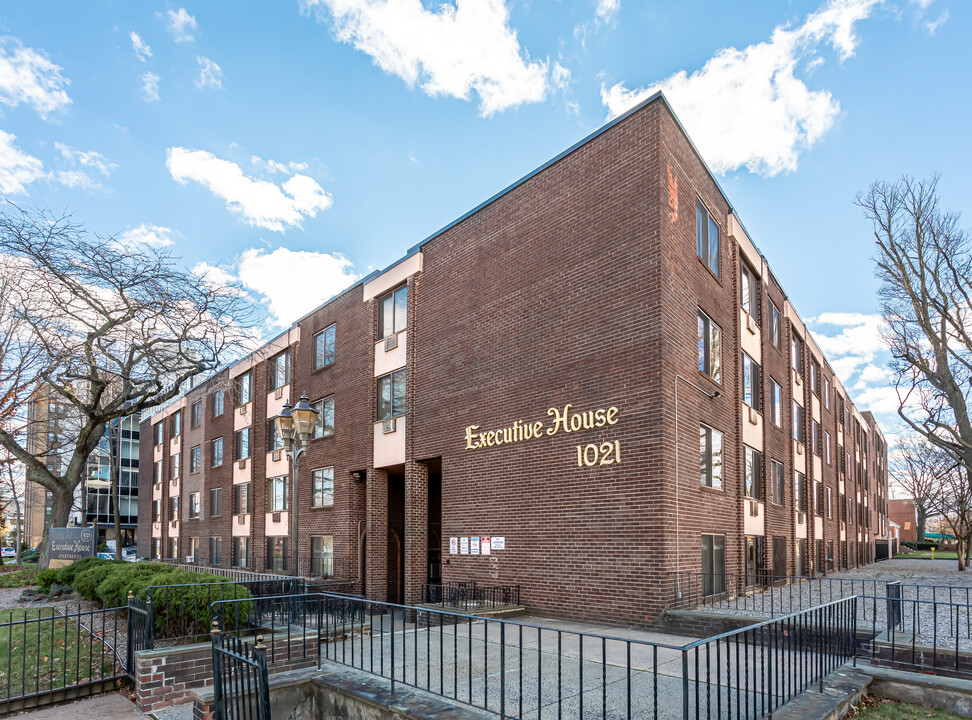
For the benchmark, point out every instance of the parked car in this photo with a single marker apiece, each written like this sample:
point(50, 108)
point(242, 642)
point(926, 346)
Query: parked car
point(8, 552)
point(106, 555)
point(130, 553)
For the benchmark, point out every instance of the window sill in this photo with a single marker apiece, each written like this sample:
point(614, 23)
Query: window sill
point(717, 490)
point(322, 507)
point(322, 368)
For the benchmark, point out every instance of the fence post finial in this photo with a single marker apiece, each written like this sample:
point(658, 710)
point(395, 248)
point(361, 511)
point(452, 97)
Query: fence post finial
point(215, 629)
point(129, 596)
point(259, 643)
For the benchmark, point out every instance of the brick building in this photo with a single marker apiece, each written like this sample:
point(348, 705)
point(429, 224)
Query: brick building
point(540, 372)
point(904, 512)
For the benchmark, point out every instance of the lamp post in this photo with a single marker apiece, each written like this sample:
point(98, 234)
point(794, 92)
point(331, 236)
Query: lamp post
point(292, 424)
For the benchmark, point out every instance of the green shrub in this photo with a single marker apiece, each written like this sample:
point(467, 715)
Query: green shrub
point(66, 574)
point(184, 610)
point(113, 589)
point(86, 582)
point(46, 578)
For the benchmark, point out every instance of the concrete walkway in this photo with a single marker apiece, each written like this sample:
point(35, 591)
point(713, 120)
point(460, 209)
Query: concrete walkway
point(109, 706)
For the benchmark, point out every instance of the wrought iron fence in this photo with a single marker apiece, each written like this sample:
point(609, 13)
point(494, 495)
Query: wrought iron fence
point(517, 669)
point(241, 688)
point(141, 630)
point(470, 596)
point(47, 653)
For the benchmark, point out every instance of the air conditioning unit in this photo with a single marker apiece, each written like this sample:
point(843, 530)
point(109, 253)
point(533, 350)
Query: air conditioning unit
point(278, 393)
point(391, 342)
point(389, 425)
point(276, 455)
point(173, 523)
point(753, 416)
point(242, 464)
point(276, 517)
point(751, 324)
point(241, 519)
point(799, 448)
point(242, 409)
point(798, 380)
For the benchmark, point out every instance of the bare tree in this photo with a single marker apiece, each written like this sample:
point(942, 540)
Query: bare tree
point(104, 329)
point(924, 265)
point(11, 493)
point(953, 502)
point(917, 467)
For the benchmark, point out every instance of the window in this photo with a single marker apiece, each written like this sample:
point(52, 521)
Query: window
point(175, 465)
point(322, 556)
point(324, 423)
point(776, 403)
point(750, 380)
point(815, 378)
point(277, 554)
point(215, 551)
point(195, 459)
point(280, 370)
point(173, 548)
point(818, 498)
point(241, 552)
point(157, 472)
point(392, 312)
point(322, 494)
point(710, 457)
point(707, 237)
point(157, 433)
point(177, 424)
point(749, 291)
point(799, 487)
point(173, 509)
point(193, 505)
point(216, 452)
point(776, 481)
point(156, 548)
point(776, 326)
point(815, 438)
point(391, 395)
point(324, 348)
point(710, 348)
point(713, 564)
point(215, 502)
point(779, 557)
point(829, 502)
point(194, 549)
point(799, 432)
point(752, 459)
point(799, 552)
point(796, 356)
point(827, 456)
point(195, 414)
point(243, 389)
point(218, 398)
point(274, 438)
point(156, 510)
point(278, 494)
point(241, 444)
point(755, 560)
point(826, 395)
point(241, 499)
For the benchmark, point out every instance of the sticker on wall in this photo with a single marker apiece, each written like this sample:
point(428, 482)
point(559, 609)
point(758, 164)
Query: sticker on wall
point(474, 546)
point(464, 546)
point(499, 543)
point(484, 545)
point(453, 546)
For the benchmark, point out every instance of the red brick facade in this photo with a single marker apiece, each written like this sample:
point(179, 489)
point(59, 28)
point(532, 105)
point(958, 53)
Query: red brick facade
point(576, 291)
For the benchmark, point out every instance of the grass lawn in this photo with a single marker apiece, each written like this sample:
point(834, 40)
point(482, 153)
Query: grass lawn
point(926, 555)
point(13, 577)
point(47, 654)
point(872, 708)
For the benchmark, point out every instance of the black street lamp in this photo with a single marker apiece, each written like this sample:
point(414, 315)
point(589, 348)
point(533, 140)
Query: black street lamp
point(292, 424)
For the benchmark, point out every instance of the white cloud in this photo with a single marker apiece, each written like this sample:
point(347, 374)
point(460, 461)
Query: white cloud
point(90, 158)
point(560, 76)
point(142, 50)
point(933, 25)
point(747, 108)
point(274, 275)
point(607, 9)
point(883, 400)
point(150, 87)
point(214, 274)
point(210, 74)
point(17, 168)
point(273, 167)
point(859, 336)
point(182, 25)
point(259, 202)
point(454, 50)
point(28, 77)
point(75, 179)
point(157, 236)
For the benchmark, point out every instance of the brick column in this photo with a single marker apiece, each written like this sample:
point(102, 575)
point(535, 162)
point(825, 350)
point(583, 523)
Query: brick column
point(377, 543)
point(416, 530)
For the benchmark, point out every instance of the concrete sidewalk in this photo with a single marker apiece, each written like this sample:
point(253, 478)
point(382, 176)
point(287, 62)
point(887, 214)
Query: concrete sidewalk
point(108, 706)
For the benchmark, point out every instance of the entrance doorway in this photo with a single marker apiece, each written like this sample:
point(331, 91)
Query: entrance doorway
point(434, 515)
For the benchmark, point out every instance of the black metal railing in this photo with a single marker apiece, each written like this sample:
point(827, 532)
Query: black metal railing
point(141, 630)
point(47, 652)
point(470, 596)
point(918, 635)
point(241, 687)
point(515, 669)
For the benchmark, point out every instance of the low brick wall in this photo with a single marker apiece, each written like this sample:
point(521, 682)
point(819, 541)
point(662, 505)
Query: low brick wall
point(167, 676)
point(700, 624)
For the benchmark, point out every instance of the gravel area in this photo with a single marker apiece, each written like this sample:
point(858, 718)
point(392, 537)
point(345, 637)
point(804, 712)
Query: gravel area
point(10, 598)
point(936, 605)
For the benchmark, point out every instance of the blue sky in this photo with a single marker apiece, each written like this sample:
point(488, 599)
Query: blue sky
point(298, 145)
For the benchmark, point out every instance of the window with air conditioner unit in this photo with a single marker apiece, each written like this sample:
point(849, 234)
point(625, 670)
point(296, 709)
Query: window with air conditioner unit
point(391, 396)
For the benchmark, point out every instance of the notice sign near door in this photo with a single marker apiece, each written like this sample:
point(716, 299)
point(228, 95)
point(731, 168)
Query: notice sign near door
point(464, 546)
point(453, 546)
point(499, 543)
point(474, 546)
point(484, 545)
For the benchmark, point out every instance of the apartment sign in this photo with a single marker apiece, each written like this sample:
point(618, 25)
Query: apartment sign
point(69, 544)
